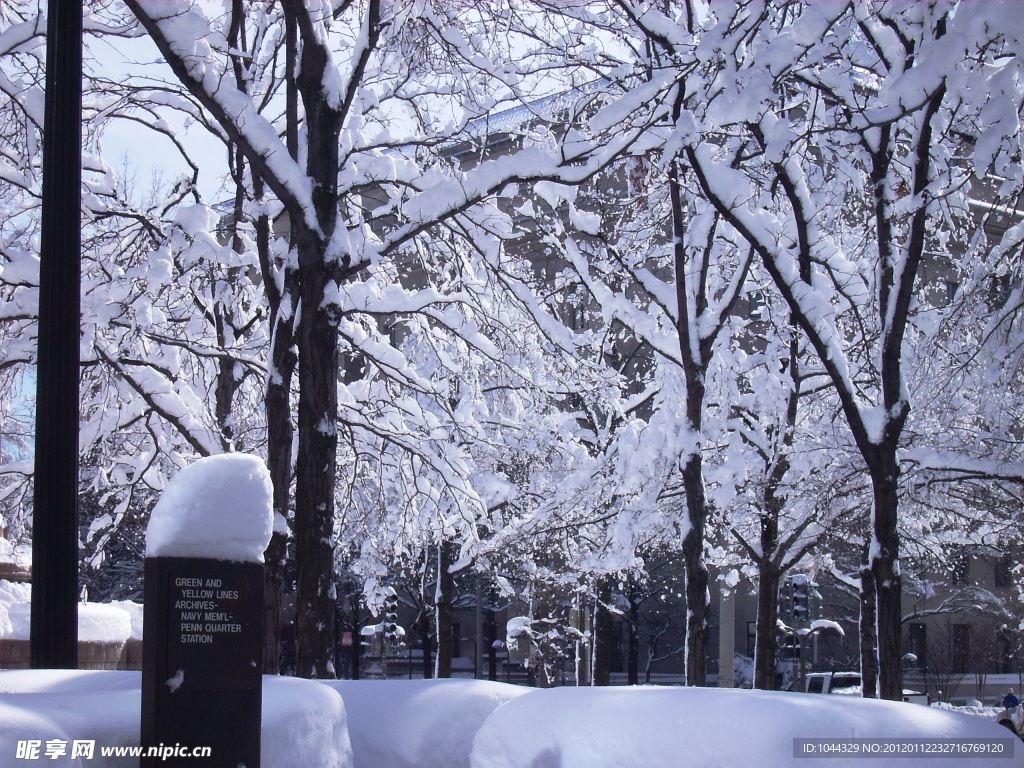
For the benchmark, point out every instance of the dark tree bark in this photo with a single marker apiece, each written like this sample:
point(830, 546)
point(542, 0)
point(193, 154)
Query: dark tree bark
point(492, 651)
point(444, 607)
point(868, 637)
point(633, 623)
point(316, 335)
point(766, 642)
point(277, 396)
point(694, 362)
point(603, 628)
point(698, 604)
point(427, 618)
point(770, 558)
point(896, 288)
point(317, 341)
point(696, 344)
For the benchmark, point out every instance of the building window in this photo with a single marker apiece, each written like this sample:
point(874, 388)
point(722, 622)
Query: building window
point(951, 289)
point(1004, 571)
point(961, 567)
point(918, 644)
point(998, 290)
point(961, 647)
point(1009, 648)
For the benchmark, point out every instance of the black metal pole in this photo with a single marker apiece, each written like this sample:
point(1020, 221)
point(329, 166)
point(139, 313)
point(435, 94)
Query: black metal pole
point(54, 619)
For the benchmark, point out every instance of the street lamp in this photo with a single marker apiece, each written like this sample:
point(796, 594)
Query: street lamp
point(801, 635)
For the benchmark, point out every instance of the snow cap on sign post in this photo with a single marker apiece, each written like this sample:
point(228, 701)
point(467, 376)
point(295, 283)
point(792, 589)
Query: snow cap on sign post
point(220, 508)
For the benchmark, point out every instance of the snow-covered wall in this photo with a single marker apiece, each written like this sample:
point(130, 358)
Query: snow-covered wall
point(97, 622)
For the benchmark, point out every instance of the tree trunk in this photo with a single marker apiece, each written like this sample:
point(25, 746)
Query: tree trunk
point(445, 608)
point(318, 266)
point(492, 651)
point(317, 337)
point(280, 436)
point(695, 355)
point(315, 472)
point(633, 662)
point(603, 628)
point(868, 662)
point(766, 643)
point(224, 391)
point(274, 559)
point(887, 581)
point(427, 619)
point(277, 399)
point(698, 599)
point(355, 651)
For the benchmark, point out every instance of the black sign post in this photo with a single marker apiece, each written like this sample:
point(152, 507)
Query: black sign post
point(53, 640)
point(202, 663)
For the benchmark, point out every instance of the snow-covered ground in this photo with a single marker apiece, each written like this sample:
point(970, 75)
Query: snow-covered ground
point(87, 719)
point(479, 724)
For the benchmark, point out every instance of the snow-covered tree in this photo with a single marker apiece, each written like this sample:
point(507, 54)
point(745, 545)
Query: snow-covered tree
point(860, 109)
point(377, 86)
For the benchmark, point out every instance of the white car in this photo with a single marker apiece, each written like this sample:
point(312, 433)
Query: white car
point(848, 683)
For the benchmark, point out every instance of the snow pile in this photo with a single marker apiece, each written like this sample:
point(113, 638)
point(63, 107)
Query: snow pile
point(670, 727)
point(112, 623)
point(418, 723)
point(218, 508)
point(134, 611)
point(977, 709)
point(479, 724)
point(69, 705)
point(13, 594)
point(303, 722)
point(100, 623)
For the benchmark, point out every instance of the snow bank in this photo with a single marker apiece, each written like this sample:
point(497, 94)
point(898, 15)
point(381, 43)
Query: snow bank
point(303, 722)
point(418, 723)
point(69, 705)
point(478, 724)
point(14, 593)
point(134, 611)
point(219, 507)
point(97, 622)
point(710, 728)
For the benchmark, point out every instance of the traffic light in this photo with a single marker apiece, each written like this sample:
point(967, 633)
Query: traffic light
point(391, 616)
point(785, 601)
point(801, 598)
